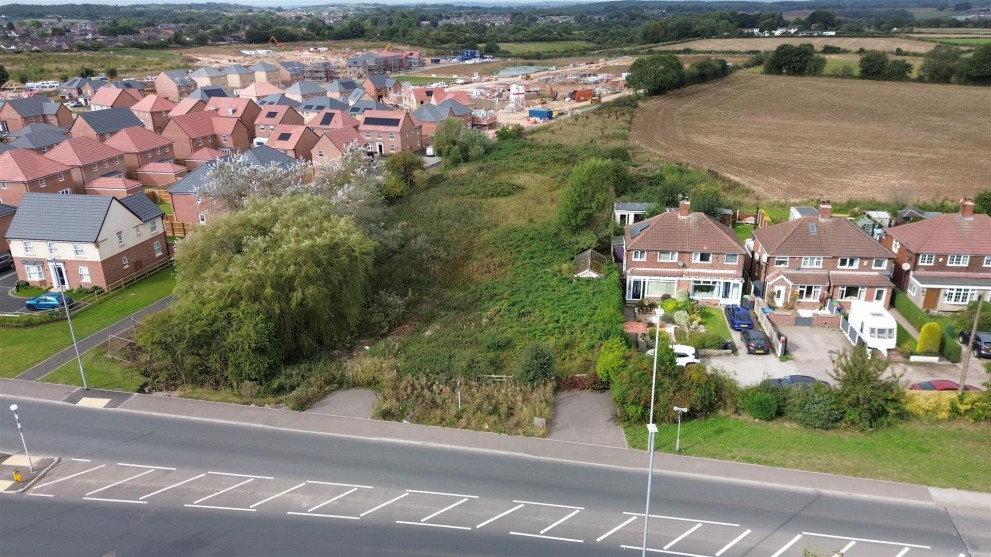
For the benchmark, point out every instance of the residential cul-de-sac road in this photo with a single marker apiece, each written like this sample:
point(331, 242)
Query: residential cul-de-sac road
point(132, 483)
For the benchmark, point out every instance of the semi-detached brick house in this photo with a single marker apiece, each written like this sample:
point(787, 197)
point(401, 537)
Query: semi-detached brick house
point(102, 124)
point(18, 113)
point(295, 141)
point(141, 147)
point(245, 110)
point(390, 131)
point(330, 147)
point(272, 116)
point(23, 172)
point(174, 84)
point(809, 260)
point(682, 250)
point(191, 132)
point(97, 240)
point(89, 159)
point(153, 111)
point(943, 262)
point(110, 96)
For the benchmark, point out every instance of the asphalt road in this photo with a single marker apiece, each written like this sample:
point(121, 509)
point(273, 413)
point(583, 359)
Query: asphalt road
point(138, 484)
point(8, 303)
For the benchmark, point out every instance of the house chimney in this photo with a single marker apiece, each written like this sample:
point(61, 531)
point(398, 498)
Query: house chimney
point(967, 208)
point(825, 211)
point(684, 208)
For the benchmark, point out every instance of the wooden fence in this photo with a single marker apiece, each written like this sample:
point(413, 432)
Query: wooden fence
point(176, 228)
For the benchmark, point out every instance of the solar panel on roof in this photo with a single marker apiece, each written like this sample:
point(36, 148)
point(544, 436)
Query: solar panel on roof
point(284, 136)
point(372, 121)
point(272, 114)
point(639, 228)
point(812, 228)
point(327, 119)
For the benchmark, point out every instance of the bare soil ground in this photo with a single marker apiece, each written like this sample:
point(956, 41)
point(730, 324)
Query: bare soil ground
point(794, 138)
point(770, 43)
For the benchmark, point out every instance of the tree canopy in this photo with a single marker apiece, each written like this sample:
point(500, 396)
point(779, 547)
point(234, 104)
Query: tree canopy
point(457, 144)
point(656, 74)
point(586, 204)
point(795, 60)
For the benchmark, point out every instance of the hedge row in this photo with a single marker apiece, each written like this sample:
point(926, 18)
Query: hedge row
point(949, 347)
point(30, 320)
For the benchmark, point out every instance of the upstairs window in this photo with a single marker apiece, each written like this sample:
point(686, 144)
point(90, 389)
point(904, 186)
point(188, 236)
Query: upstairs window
point(957, 260)
point(812, 262)
point(638, 255)
point(926, 259)
point(701, 257)
point(847, 263)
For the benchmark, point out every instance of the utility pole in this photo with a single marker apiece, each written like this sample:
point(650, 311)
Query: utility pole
point(968, 349)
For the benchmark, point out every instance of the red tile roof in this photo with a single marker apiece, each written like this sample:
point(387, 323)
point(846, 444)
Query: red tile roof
point(205, 154)
point(108, 95)
point(339, 120)
point(697, 232)
point(162, 168)
point(136, 140)
point(343, 137)
point(107, 183)
point(196, 124)
point(859, 279)
point(375, 115)
point(227, 106)
point(833, 237)
point(153, 103)
point(187, 106)
point(22, 165)
point(946, 234)
point(81, 151)
point(287, 136)
point(273, 114)
point(260, 89)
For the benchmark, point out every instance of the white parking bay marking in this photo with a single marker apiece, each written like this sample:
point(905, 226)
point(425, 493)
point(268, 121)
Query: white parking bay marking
point(389, 502)
point(688, 520)
point(787, 545)
point(164, 489)
point(865, 540)
point(70, 477)
point(423, 521)
point(545, 530)
point(115, 500)
point(555, 538)
point(115, 484)
point(906, 550)
point(328, 501)
point(500, 515)
point(198, 501)
point(445, 509)
point(242, 475)
point(277, 495)
point(683, 536)
point(618, 528)
point(843, 551)
point(145, 466)
point(652, 550)
point(542, 534)
point(732, 543)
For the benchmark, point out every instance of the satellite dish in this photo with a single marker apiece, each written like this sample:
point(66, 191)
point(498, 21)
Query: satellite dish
point(681, 263)
point(906, 266)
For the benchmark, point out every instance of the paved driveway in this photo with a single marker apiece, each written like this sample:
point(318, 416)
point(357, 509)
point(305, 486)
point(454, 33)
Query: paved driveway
point(811, 350)
point(353, 403)
point(8, 303)
point(586, 417)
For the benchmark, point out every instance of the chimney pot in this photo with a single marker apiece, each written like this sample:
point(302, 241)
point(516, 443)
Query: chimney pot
point(684, 208)
point(825, 211)
point(966, 208)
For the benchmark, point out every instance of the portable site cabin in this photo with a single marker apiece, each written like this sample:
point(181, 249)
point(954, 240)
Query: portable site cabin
point(874, 325)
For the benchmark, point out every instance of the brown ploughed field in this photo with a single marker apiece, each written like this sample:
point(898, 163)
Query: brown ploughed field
point(770, 43)
point(792, 138)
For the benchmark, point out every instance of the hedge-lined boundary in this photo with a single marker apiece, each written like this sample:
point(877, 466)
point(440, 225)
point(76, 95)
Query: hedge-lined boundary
point(949, 348)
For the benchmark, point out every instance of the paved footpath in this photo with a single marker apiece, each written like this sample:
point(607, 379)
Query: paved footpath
point(42, 369)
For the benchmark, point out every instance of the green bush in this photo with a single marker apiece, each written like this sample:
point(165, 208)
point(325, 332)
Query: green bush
point(950, 348)
point(815, 406)
point(713, 341)
point(536, 365)
point(869, 398)
point(929, 339)
point(909, 311)
point(611, 358)
point(760, 405)
point(31, 320)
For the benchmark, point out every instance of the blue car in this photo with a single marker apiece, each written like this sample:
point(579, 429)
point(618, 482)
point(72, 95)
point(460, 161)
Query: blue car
point(51, 300)
point(738, 318)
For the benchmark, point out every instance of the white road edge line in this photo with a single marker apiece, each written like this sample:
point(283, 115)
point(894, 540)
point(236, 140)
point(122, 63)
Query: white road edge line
point(652, 550)
point(242, 475)
point(553, 505)
point(689, 520)
point(547, 537)
point(195, 506)
point(787, 545)
point(120, 482)
point(445, 509)
point(865, 540)
point(115, 500)
point(617, 529)
point(732, 543)
point(683, 536)
point(500, 515)
point(40, 495)
point(389, 502)
point(348, 492)
point(324, 515)
point(81, 459)
point(441, 493)
point(276, 495)
point(171, 486)
point(145, 466)
point(906, 550)
point(342, 485)
point(70, 477)
point(197, 502)
point(573, 513)
point(845, 549)
point(434, 525)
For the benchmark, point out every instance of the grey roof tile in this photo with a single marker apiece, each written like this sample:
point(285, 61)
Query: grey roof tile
point(6, 210)
point(140, 205)
point(110, 120)
point(64, 218)
point(36, 140)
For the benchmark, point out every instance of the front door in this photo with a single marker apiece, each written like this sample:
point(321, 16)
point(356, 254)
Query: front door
point(779, 295)
point(931, 298)
point(381, 148)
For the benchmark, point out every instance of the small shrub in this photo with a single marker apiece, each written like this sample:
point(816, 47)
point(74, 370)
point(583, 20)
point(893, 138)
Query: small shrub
point(536, 365)
point(760, 405)
point(950, 348)
point(931, 405)
point(583, 382)
point(712, 341)
point(815, 407)
point(929, 339)
point(248, 389)
point(611, 358)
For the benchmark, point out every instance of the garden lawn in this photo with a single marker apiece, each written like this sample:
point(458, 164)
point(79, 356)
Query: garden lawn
point(714, 322)
point(22, 348)
point(102, 372)
point(30, 292)
point(946, 454)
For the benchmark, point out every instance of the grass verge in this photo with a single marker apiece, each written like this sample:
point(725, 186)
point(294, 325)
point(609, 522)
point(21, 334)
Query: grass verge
point(714, 322)
point(947, 454)
point(30, 292)
point(22, 348)
point(102, 372)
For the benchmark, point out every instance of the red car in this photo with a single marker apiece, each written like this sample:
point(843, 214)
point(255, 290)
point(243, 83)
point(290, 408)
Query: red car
point(940, 385)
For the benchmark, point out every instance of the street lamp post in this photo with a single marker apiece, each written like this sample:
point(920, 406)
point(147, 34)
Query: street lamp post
point(58, 273)
point(17, 419)
point(651, 429)
point(677, 441)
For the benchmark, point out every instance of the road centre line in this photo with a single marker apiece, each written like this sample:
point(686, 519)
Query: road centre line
point(865, 540)
point(277, 495)
point(441, 493)
point(434, 525)
point(342, 485)
point(324, 515)
point(787, 545)
point(618, 528)
point(242, 475)
point(845, 549)
point(349, 492)
point(120, 482)
point(690, 520)
point(683, 536)
point(652, 550)
point(145, 466)
point(553, 505)
point(389, 502)
point(249, 480)
point(69, 477)
point(547, 537)
point(500, 515)
point(115, 500)
point(170, 487)
point(734, 542)
point(445, 509)
point(906, 550)
point(573, 513)
point(195, 506)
